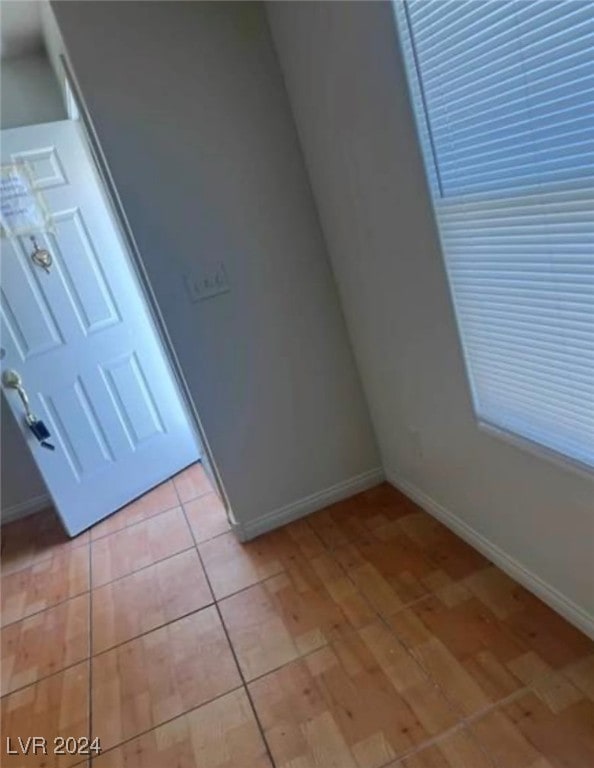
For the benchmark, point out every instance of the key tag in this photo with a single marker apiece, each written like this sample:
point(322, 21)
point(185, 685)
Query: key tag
point(41, 256)
point(40, 432)
point(12, 380)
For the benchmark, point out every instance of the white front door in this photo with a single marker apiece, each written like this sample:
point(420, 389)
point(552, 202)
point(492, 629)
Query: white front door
point(82, 340)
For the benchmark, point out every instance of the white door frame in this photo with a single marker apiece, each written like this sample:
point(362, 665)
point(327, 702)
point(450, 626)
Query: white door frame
point(77, 110)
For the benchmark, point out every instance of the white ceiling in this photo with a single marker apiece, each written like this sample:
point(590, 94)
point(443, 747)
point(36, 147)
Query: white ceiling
point(20, 27)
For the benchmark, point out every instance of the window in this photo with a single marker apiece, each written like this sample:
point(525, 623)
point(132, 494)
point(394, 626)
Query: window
point(503, 92)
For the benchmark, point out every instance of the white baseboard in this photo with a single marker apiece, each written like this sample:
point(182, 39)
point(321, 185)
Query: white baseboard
point(251, 528)
point(547, 593)
point(25, 508)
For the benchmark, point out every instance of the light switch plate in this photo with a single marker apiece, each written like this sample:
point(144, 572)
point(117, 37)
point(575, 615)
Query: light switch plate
point(208, 284)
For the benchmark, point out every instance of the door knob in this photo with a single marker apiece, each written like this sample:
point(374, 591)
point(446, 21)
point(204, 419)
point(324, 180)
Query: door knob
point(12, 380)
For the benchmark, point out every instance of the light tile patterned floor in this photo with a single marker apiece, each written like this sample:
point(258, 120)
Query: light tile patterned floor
point(364, 636)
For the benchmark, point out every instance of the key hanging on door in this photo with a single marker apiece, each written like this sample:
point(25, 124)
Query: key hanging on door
point(40, 431)
point(12, 380)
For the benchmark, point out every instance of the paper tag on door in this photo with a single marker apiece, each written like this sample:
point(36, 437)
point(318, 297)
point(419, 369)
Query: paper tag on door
point(22, 208)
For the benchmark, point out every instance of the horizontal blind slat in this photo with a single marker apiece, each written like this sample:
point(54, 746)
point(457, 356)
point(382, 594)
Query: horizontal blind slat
point(540, 408)
point(520, 367)
point(508, 54)
point(576, 450)
point(580, 331)
point(540, 349)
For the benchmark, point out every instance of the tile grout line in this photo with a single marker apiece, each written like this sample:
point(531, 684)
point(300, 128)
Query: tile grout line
point(91, 589)
point(428, 743)
point(434, 741)
point(101, 586)
point(248, 681)
point(73, 545)
point(470, 719)
point(379, 615)
point(456, 709)
point(127, 526)
point(149, 631)
point(47, 608)
point(168, 509)
point(465, 723)
point(143, 568)
point(91, 655)
point(130, 525)
point(465, 720)
point(61, 671)
point(193, 545)
point(122, 642)
point(185, 713)
point(52, 605)
point(451, 705)
point(232, 649)
point(118, 578)
point(144, 519)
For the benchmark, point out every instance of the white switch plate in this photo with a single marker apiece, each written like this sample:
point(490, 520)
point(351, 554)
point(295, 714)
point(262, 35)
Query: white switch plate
point(208, 284)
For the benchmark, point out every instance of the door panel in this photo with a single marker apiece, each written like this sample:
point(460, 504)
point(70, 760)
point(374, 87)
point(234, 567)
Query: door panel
point(32, 332)
point(82, 277)
point(75, 425)
point(44, 165)
point(84, 344)
point(137, 410)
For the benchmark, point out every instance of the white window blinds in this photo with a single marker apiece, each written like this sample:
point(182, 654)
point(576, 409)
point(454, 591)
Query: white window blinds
point(504, 96)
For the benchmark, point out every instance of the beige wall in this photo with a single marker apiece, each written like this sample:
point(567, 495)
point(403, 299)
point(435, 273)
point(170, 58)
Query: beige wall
point(347, 87)
point(190, 109)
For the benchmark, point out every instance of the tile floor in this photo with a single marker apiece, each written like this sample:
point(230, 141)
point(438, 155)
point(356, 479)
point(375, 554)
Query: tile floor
point(365, 635)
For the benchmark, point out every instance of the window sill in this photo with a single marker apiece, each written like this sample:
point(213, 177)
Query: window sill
point(540, 451)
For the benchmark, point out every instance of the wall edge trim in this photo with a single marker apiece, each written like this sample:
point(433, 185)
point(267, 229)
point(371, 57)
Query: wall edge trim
point(308, 504)
point(25, 508)
point(555, 599)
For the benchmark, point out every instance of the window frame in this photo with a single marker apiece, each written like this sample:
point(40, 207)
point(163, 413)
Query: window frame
point(427, 152)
